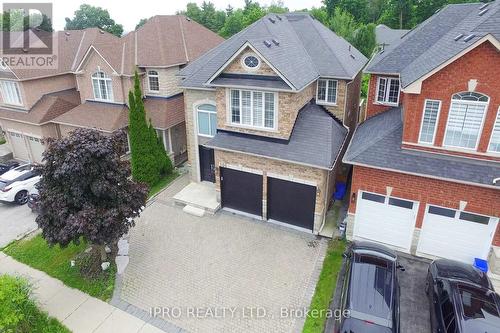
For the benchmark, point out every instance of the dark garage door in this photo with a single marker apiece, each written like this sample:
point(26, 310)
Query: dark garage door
point(291, 203)
point(241, 191)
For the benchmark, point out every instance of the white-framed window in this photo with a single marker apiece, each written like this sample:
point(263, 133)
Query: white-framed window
point(250, 61)
point(253, 108)
point(163, 136)
point(326, 91)
point(494, 145)
point(465, 120)
point(102, 86)
point(153, 80)
point(388, 90)
point(10, 92)
point(429, 121)
point(207, 120)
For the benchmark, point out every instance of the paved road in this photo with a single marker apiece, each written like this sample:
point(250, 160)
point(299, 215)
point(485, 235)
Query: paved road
point(15, 222)
point(196, 268)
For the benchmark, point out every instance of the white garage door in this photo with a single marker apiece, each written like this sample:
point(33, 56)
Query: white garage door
point(19, 146)
point(36, 148)
point(385, 219)
point(457, 235)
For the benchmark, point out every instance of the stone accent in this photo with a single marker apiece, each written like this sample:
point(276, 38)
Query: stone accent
point(414, 240)
point(266, 165)
point(236, 66)
point(169, 82)
point(193, 97)
point(349, 228)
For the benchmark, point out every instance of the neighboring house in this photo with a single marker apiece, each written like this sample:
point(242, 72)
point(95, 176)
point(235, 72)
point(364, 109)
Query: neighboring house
point(426, 161)
point(385, 36)
point(89, 88)
point(268, 114)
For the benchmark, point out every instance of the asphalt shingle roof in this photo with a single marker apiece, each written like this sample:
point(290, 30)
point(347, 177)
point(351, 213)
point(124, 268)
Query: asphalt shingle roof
point(318, 150)
point(387, 36)
point(433, 42)
point(306, 50)
point(377, 143)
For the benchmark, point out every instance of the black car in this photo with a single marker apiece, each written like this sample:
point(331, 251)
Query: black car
point(6, 166)
point(462, 299)
point(33, 202)
point(370, 291)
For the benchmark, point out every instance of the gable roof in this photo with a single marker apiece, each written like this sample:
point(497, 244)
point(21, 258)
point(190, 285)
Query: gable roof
point(164, 40)
point(387, 36)
point(306, 51)
point(377, 143)
point(452, 30)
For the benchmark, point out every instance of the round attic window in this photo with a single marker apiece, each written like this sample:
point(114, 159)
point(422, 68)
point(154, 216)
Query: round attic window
point(250, 61)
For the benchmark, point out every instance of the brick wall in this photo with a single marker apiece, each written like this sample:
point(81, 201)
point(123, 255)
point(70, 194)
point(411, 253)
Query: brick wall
point(427, 191)
point(372, 106)
point(337, 110)
point(481, 64)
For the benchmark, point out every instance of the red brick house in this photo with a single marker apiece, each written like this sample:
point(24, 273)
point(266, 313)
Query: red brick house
point(426, 160)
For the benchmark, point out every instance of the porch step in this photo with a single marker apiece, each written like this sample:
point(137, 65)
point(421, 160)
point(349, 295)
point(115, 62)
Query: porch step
point(199, 195)
point(193, 210)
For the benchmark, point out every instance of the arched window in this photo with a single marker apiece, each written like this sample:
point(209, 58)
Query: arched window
point(103, 86)
point(465, 119)
point(154, 83)
point(207, 119)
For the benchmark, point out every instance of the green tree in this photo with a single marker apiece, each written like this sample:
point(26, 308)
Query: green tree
point(398, 14)
point(343, 24)
point(234, 23)
point(142, 21)
point(364, 39)
point(88, 16)
point(330, 6)
point(206, 15)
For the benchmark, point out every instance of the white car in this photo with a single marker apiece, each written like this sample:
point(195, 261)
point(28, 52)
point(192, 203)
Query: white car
point(17, 183)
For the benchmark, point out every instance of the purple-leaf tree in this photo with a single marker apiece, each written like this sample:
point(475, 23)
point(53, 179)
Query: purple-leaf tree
point(86, 191)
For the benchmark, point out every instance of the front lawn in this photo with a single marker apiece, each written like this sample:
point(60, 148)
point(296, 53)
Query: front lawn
point(164, 182)
point(55, 261)
point(325, 287)
point(18, 311)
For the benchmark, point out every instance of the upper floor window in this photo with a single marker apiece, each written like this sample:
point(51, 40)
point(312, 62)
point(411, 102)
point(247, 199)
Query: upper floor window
point(154, 83)
point(207, 120)
point(429, 121)
point(327, 91)
point(250, 61)
point(388, 90)
point(465, 120)
point(10, 92)
point(103, 86)
point(495, 136)
point(253, 108)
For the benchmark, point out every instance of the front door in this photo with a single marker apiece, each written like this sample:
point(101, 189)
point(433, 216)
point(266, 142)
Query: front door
point(207, 164)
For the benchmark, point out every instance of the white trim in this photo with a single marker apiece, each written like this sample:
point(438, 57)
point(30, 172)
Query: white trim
point(497, 118)
point(170, 145)
point(239, 167)
point(17, 89)
point(106, 79)
point(325, 102)
point(250, 54)
point(244, 46)
point(292, 179)
point(387, 90)
point(450, 149)
point(435, 125)
point(236, 86)
point(196, 145)
point(148, 76)
point(91, 47)
point(416, 86)
point(209, 120)
point(251, 126)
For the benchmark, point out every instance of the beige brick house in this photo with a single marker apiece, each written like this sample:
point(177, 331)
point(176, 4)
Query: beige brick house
point(268, 116)
point(89, 88)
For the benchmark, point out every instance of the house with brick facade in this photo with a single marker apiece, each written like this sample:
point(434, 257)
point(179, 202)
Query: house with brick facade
point(90, 84)
point(426, 161)
point(268, 115)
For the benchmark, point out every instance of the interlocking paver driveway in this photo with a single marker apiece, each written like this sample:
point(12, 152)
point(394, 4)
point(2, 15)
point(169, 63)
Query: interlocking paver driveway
point(179, 261)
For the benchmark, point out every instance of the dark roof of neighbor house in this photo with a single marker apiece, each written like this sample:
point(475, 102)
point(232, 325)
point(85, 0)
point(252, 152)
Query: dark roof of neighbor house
point(441, 37)
point(377, 143)
point(163, 113)
point(244, 80)
point(318, 150)
point(387, 36)
point(48, 107)
point(149, 45)
point(305, 50)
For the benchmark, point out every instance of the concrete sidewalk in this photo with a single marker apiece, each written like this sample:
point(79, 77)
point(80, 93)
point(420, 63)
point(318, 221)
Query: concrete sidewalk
point(80, 312)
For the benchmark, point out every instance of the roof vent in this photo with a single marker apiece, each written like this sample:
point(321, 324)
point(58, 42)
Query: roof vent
point(481, 13)
point(352, 56)
point(458, 37)
point(484, 6)
point(67, 33)
point(468, 38)
point(278, 17)
point(101, 31)
point(267, 43)
point(276, 42)
point(271, 20)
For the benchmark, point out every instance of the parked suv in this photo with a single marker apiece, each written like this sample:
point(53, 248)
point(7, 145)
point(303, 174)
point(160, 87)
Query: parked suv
point(17, 183)
point(370, 291)
point(461, 298)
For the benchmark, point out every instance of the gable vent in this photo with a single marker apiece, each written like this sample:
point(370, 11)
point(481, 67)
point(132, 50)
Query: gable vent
point(276, 42)
point(267, 43)
point(458, 37)
point(271, 20)
point(481, 13)
point(484, 6)
point(468, 38)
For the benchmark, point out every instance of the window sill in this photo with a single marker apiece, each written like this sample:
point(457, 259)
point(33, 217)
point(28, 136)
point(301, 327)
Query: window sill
point(206, 135)
point(255, 128)
point(386, 103)
point(326, 103)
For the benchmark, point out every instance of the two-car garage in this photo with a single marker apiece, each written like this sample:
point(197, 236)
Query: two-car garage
point(26, 147)
point(287, 202)
point(445, 232)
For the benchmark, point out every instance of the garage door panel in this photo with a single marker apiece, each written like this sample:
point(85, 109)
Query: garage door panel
point(19, 146)
point(386, 220)
point(36, 147)
point(290, 202)
point(241, 191)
